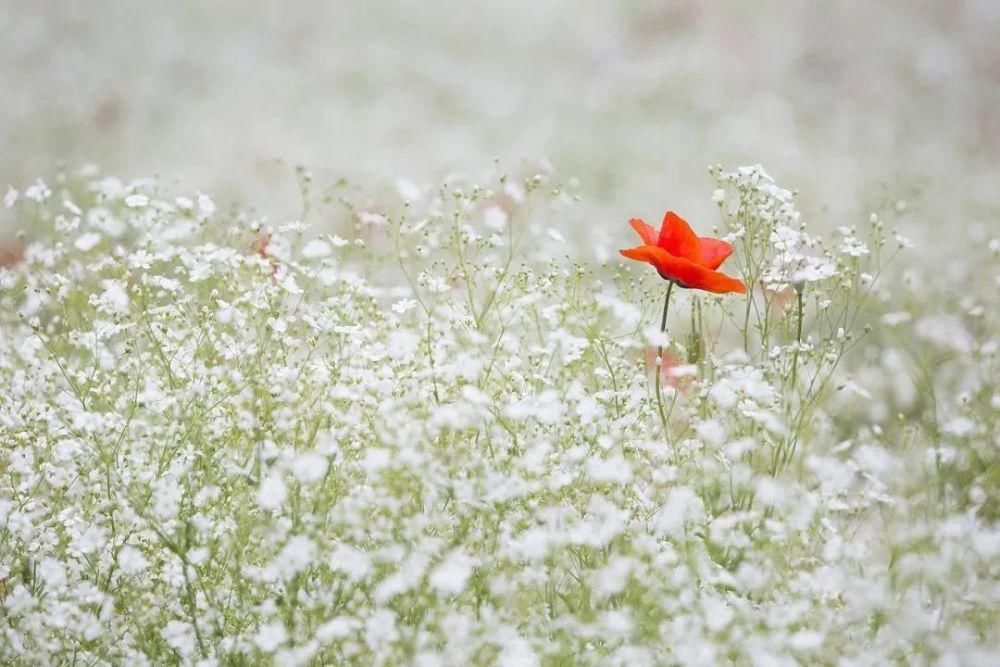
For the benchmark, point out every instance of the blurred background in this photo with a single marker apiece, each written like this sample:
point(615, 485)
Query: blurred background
point(855, 103)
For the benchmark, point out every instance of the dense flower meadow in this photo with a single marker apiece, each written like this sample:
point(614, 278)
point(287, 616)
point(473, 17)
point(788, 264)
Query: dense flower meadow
point(428, 430)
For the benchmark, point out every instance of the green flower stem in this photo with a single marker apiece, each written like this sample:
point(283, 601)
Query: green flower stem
point(798, 335)
point(659, 364)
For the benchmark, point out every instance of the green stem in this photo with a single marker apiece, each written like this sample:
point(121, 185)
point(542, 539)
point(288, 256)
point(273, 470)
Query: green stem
point(787, 451)
point(659, 364)
point(798, 336)
point(746, 322)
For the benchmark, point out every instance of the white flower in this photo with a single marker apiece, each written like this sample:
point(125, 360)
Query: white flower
point(309, 467)
point(179, 636)
point(38, 192)
point(86, 242)
point(711, 431)
point(278, 325)
point(495, 217)
point(206, 207)
point(373, 219)
point(546, 407)
point(959, 427)
point(813, 269)
point(380, 629)
point(140, 259)
point(682, 505)
point(717, 614)
point(272, 492)
point(654, 337)
point(589, 410)
point(517, 653)
point(52, 573)
point(612, 578)
point(295, 556)
point(198, 556)
point(433, 283)
point(168, 284)
point(452, 574)
point(402, 344)
point(723, 394)
point(92, 539)
point(131, 561)
point(805, 640)
point(337, 628)
point(354, 563)
point(555, 235)
point(616, 623)
point(785, 238)
point(167, 493)
point(850, 244)
point(316, 249)
point(403, 306)
point(114, 298)
point(408, 190)
point(615, 470)
point(270, 636)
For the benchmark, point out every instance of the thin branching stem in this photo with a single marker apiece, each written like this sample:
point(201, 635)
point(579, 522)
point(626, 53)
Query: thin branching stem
point(798, 334)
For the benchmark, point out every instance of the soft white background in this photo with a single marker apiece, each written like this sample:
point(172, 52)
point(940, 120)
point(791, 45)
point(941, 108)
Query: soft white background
point(852, 102)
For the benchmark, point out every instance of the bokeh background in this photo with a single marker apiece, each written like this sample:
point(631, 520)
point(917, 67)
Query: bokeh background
point(855, 103)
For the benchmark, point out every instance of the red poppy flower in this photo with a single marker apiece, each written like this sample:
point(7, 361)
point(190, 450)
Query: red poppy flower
point(261, 245)
point(682, 257)
point(10, 254)
point(670, 368)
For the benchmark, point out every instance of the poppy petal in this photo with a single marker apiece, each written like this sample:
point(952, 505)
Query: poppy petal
point(644, 253)
point(720, 283)
point(677, 238)
point(683, 271)
point(714, 252)
point(645, 230)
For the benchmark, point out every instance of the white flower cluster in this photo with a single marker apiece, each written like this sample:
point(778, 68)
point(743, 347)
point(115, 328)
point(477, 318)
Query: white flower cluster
point(768, 214)
point(431, 439)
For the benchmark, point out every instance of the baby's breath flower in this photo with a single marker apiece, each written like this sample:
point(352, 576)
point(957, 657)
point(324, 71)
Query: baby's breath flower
point(227, 441)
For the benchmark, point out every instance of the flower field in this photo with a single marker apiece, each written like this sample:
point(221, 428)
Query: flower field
point(423, 417)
